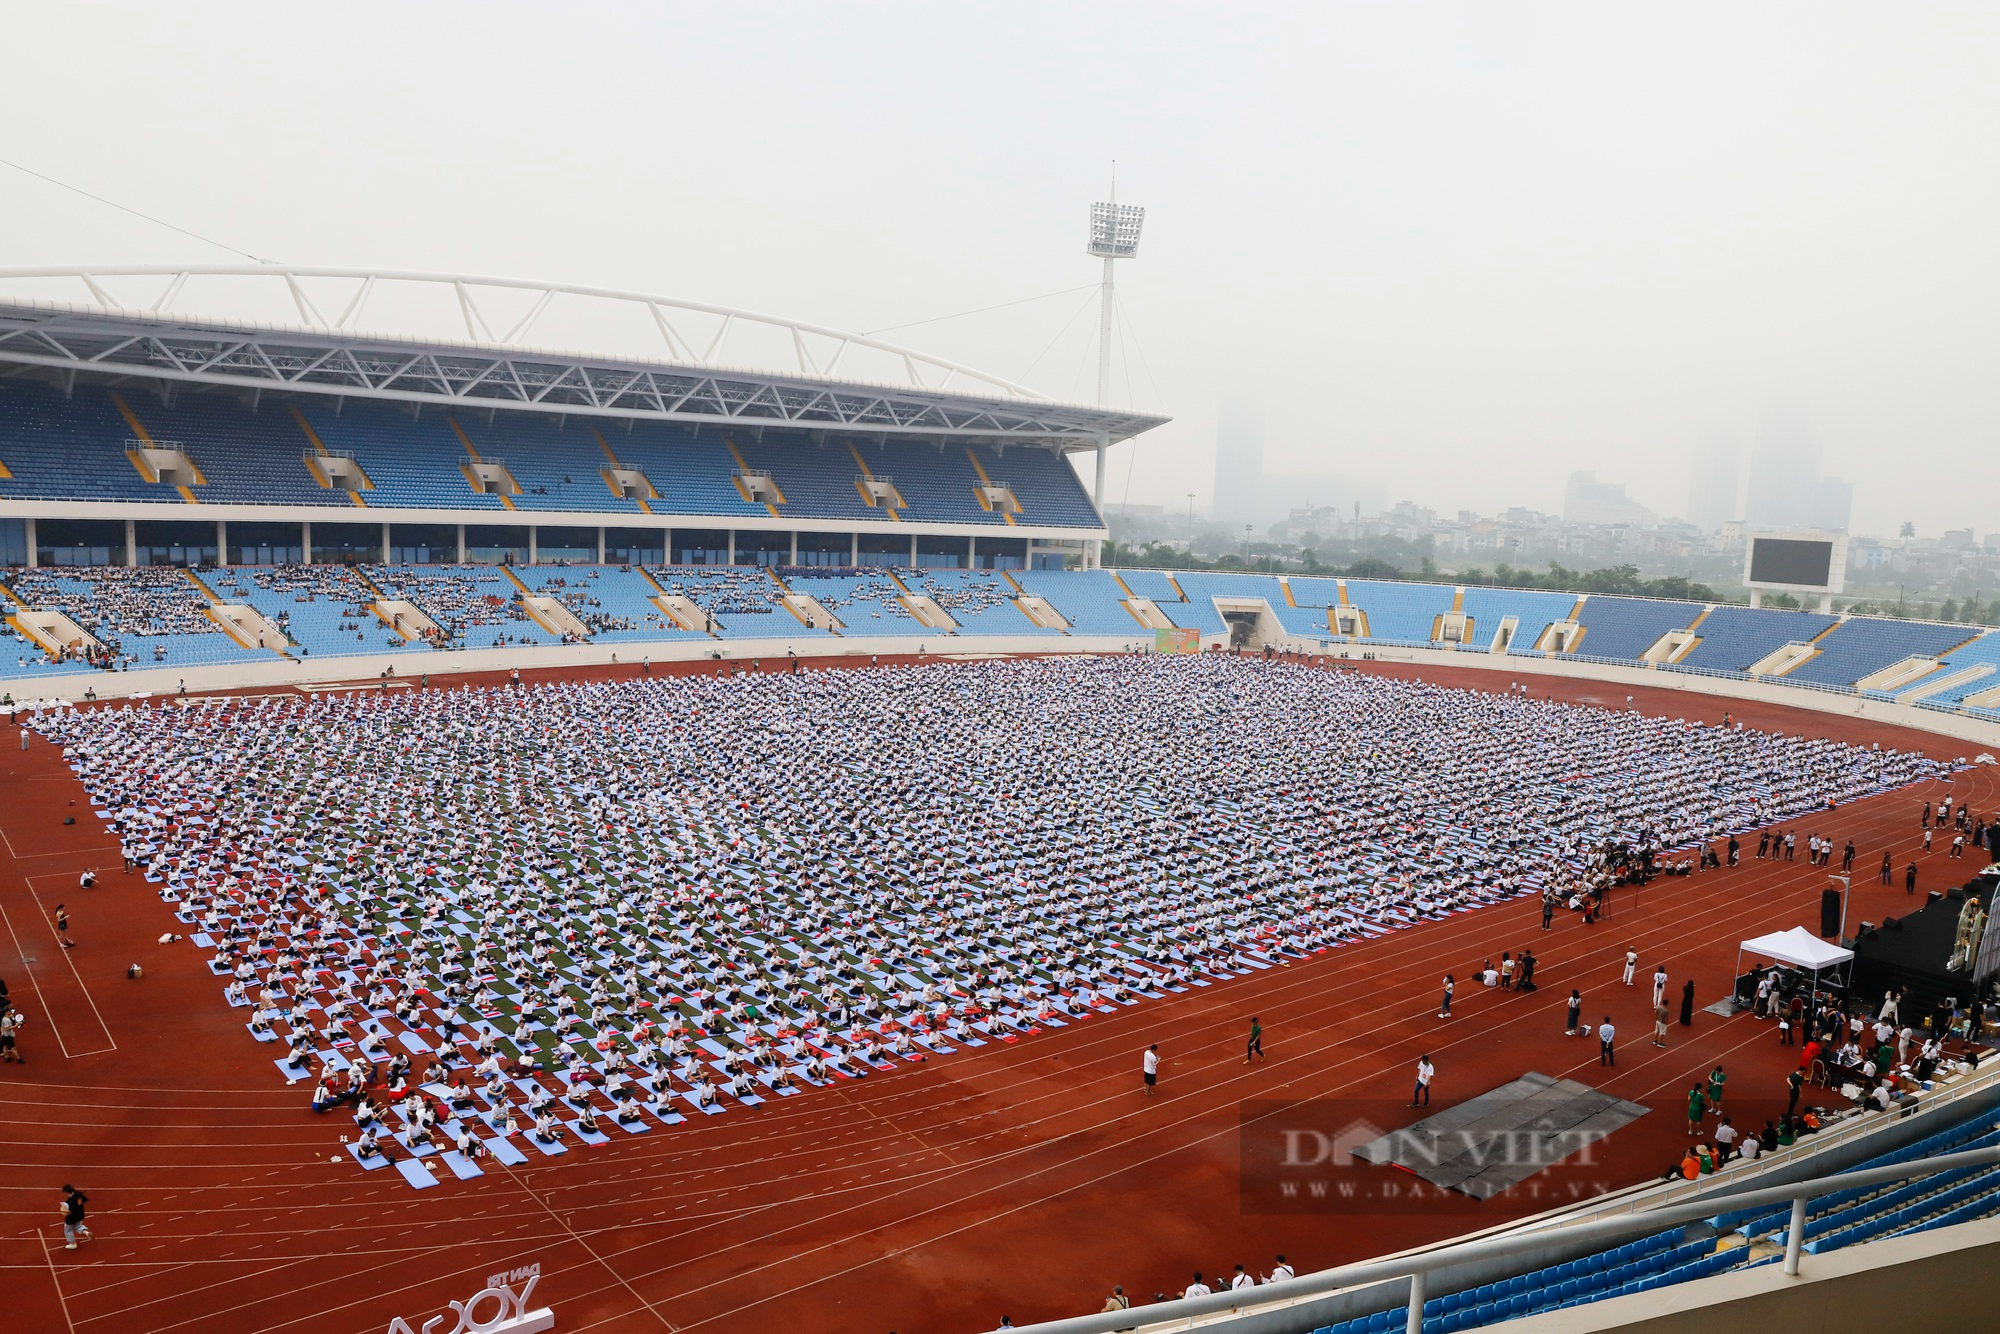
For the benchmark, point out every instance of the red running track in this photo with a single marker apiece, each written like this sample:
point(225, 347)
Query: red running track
point(1021, 1180)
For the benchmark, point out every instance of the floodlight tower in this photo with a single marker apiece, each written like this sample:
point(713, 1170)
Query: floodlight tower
point(1114, 235)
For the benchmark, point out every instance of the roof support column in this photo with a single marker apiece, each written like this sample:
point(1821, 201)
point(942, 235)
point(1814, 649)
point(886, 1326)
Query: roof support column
point(34, 556)
point(1093, 550)
point(131, 543)
point(305, 542)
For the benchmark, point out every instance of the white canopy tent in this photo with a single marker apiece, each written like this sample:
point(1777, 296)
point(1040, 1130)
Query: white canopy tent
point(1798, 947)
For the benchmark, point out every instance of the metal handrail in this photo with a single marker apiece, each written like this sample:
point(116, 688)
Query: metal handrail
point(1634, 1199)
point(1185, 1311)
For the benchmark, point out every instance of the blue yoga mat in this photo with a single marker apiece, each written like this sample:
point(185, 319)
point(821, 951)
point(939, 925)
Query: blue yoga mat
point(416, 1173)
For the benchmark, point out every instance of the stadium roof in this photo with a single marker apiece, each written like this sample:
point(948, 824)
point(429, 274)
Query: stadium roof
point(678, 376)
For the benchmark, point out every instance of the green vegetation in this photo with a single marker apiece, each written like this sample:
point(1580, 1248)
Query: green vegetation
point(1623, 580)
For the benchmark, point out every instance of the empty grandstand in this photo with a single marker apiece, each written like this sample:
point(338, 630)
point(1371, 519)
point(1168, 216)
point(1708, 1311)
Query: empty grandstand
point(1615, 627)
point(1735, 639)
point(1400, 613)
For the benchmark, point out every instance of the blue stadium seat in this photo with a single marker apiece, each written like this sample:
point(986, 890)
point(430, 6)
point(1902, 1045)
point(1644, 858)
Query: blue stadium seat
point(1734, 639)
point(1862, 646)
point(1534, 613)
point(1615, 627)
point(1397, 612)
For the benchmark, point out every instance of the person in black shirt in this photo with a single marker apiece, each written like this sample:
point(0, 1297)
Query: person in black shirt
point(74, 1228)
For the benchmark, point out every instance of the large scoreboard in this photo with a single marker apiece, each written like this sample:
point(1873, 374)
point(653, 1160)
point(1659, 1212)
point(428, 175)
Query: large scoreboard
point(1809, 563)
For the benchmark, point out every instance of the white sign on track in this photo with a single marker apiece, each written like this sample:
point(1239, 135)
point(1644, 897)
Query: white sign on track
point(501, 1307)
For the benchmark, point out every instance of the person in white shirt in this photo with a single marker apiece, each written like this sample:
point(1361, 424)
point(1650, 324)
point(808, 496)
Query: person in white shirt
point(1241, 1280)
point(1605, 1035)
point(1752, 1146)
point(1150, 1065)
point(1282, 1273)
point(1425, 1071)
point(1197, 1288)
point(1631, 965)
point(1725, 1139)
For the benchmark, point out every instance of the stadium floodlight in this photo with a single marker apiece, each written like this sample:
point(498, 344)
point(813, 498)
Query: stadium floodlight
point(1114, 229)
point(1114, 235)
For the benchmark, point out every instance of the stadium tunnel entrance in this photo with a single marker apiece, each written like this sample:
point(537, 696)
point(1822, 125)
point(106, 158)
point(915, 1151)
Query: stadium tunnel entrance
point(1252, 624)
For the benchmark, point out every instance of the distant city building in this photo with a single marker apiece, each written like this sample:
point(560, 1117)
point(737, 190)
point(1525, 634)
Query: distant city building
point(1239, 460)
point(1245, 493)
point(1715, 483)
point(1786, 488)
point(1589, 501)
point(1833, 505)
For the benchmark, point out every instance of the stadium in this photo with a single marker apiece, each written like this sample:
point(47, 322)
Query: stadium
point(687, 835)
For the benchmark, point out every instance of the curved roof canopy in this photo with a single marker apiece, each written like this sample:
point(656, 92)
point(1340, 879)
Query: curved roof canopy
point(301, 330)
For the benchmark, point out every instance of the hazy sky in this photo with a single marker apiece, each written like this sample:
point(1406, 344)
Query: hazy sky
point(1462, 248)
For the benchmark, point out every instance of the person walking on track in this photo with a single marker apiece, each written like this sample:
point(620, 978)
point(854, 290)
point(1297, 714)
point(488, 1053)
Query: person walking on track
point(1444, 1008)
point(74, 1228)
point(1150, 1067)
point(1421, 1097)
point(1255, 1046)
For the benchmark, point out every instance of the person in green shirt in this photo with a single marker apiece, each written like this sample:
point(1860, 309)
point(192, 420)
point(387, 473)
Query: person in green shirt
point(1697, 1104)
point(1715, 1079)
point(1706, 1157)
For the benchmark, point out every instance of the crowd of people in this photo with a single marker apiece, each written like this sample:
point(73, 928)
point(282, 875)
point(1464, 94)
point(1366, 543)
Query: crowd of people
point(459, 599)
point(114, 603)
point(683, 893)
point(721, 590)
point(970, 593)
point(857, 597)
point(140, 601)
point(586, 606)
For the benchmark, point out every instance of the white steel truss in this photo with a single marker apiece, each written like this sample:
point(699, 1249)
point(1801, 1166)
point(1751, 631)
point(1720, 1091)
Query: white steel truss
point(322, 355)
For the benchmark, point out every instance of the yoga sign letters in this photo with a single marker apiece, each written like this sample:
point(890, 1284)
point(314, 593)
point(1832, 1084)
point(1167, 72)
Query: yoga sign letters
point(497, 1308)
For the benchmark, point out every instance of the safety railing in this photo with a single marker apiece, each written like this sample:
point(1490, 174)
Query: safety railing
point(1640, 1197)
point(1185, 1312)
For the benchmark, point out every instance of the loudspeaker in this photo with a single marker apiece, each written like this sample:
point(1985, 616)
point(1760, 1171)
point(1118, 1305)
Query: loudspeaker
point(1829, 912)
